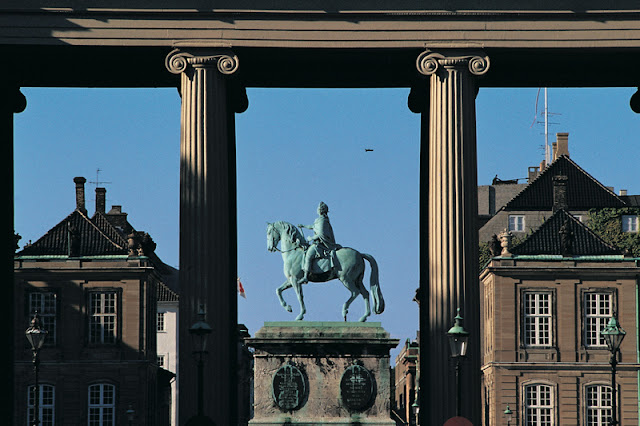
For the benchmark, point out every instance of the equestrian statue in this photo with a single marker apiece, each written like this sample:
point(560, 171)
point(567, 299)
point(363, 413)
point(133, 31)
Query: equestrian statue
point(320, 259)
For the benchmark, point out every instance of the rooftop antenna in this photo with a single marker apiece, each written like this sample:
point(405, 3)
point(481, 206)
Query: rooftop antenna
point(98, 182)
point(546, 113)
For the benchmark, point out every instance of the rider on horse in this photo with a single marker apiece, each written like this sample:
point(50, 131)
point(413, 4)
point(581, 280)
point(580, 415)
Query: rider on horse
point(321, 243)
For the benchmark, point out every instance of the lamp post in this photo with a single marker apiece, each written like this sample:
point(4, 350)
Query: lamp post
point(36, 335)
point(458, 340)
point(200, 331)
point(613, 335)
point(508, 414)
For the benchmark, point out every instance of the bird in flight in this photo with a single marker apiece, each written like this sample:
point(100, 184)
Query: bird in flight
point(368, 149)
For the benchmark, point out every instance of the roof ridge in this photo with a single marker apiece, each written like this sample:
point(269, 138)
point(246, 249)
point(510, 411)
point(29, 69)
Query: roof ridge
point(538, 193)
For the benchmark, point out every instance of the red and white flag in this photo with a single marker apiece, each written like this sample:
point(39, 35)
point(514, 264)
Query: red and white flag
point(241, 289)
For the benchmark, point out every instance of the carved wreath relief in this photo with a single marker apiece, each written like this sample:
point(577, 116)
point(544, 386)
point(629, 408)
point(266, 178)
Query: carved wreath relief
point(357, 388)
point(289, 388)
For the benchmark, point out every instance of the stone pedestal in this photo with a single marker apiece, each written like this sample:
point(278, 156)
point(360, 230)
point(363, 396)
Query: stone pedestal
point(322, 373)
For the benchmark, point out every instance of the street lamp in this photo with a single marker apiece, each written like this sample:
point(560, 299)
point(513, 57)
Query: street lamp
point(130, 414)
point(509, 415)
point(36, 335)
point(458, 341)
point(613, 335)
point(199, 332)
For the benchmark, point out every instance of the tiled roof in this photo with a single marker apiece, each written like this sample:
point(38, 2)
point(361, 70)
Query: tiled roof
point(92, 239)
point(165, 294)
point(583, 191)
point(547, 239)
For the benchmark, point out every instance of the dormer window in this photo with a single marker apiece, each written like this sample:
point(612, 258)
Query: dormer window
point(516, 223)
point(629, 223)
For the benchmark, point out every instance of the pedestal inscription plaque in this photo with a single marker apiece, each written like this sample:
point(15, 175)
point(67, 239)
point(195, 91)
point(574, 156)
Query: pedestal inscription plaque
point(357, 388)
point(289, 387)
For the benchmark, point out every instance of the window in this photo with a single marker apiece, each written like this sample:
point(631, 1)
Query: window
point(629, 223)
point(103, 317)
point(160, 322)
point(161, 361)
point(598, 308)
point(538, 405)
point(598, 403)
point(516, 223)
point(45, 304)
point(46, 405)
point(102, 404)
point(537, 319)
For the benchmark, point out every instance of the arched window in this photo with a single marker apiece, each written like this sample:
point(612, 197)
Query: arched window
point(538, 405)
point(102, 405)
point(46, 405)
point(598, 404)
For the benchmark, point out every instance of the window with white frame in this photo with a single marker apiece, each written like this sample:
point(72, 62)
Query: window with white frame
point(516, 223)
point(537, 318)
point(598, 403)
point(629, 223)
point(598, 308)
point(160, 322)
point(102, 405)
point(44, 302)
point(103, 317)
point(538, 405)
point(46, 405)
point(161, 360)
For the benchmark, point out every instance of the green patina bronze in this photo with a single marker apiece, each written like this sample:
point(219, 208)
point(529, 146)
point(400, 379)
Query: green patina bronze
point(322, 260)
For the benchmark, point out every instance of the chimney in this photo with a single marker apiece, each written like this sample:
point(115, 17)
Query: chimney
point(101, 200)
point(623, 192)
point(560, 193)
point(117, 218)
point(80, 204)
point(562, 144)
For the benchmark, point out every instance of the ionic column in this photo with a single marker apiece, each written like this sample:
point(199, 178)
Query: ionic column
point(208, 228)
point(12, 101)
point(449, 225)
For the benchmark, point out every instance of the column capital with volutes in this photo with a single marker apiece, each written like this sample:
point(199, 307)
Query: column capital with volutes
point(224, 60)
point(184, 61)
point(475, 61)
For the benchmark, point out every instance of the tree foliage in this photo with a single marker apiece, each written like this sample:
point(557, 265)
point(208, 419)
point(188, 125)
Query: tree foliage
point(607, 224)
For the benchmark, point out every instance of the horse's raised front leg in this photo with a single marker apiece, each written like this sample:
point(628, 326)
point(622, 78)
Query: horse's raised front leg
point(286, 285)
point(298, 288)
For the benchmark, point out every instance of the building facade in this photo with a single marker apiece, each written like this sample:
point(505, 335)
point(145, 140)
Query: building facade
point(406, 383)
point(544, 304)
point(93, 283)
point(167, 340)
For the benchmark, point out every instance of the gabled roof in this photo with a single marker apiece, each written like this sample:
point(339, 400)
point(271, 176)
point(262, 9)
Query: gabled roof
point(583, 191)
point(92, 240)
point(165, 294)
point(548, 239)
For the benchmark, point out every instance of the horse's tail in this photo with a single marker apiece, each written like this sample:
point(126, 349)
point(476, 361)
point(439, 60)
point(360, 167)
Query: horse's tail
point(374, 284)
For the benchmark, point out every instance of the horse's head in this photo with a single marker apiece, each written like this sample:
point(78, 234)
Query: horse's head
point(273, 237)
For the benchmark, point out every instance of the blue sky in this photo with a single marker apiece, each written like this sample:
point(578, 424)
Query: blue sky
point(296, 147)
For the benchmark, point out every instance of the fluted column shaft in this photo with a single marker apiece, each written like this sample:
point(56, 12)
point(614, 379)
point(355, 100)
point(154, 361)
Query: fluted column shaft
point(208, 254)
point(12, 101)
point(451, 233)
